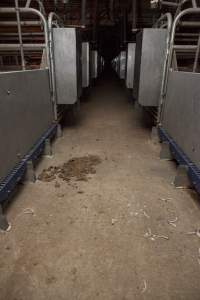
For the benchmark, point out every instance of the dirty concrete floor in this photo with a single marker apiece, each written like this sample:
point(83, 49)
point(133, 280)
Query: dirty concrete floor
point(90, 240)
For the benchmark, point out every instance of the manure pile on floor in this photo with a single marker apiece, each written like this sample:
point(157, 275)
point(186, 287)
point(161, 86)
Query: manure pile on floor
point(77, 168)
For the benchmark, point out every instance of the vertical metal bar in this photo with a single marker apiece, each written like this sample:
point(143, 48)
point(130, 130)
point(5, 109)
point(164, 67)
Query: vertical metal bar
point(194, 3)
point(197, 56)
point(28, 3)
point(20, 35)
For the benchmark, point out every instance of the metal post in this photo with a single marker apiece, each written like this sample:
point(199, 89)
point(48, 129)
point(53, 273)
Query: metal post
point(197, 55)
point(169, 23)
point(53, 16)
point(20, 35)
point(28, 2)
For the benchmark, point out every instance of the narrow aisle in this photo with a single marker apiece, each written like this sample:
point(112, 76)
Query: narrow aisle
point(107, 236)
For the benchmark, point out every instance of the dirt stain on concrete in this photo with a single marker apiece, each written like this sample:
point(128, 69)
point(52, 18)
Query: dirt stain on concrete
point(77, 168)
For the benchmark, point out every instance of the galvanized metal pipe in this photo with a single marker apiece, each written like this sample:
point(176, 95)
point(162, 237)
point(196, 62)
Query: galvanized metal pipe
point(190, 24)
point(167, 3)
point(168, 24)
point(169, 21)
point(12, 47)
point(51, 24)
point(176, 22)
point(20, 35)
point(185, 47)
point(183, 2)
point(197, 56)
point(41, 6)
point(23, 23)
point(24, 34)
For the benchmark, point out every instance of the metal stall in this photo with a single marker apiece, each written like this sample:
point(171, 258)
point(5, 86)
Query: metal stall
point(180, 118)
point(26, 110)
point(152, 47)
point(130, 66)
point(67, 58)
point(150, 56)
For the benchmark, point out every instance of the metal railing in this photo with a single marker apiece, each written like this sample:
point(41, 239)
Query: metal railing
point(188, 48)
point(21, 45)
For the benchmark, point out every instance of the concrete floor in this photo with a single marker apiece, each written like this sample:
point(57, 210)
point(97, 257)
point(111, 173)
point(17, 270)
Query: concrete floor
point(89, 240)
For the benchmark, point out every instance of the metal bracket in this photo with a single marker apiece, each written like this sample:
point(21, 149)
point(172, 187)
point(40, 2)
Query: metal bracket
point(47, 148)
point(30, 172)
point(182, 179)
point(59, 131)
point(154, 135)
point(165, 152)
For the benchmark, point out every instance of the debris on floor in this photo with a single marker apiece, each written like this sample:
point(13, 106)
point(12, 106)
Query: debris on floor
point(114, 221)
point(173, 222)
point(29, 211)
point(153, 237)
point(165, 199)
point(145, 287)
point(196, 232)
point(77, 168)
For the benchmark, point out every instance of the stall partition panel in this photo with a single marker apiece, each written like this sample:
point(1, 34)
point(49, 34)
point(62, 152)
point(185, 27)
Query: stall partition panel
point(67, 59)
point(151, 46)
point(181, 113)
point(26, 113)
point(130, 65)
point(86, 76)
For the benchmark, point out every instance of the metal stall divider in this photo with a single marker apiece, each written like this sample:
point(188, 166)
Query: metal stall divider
point(130, 65)
point(179, 126)
point(26, 111)
point(86, 65)
point(67, 69)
